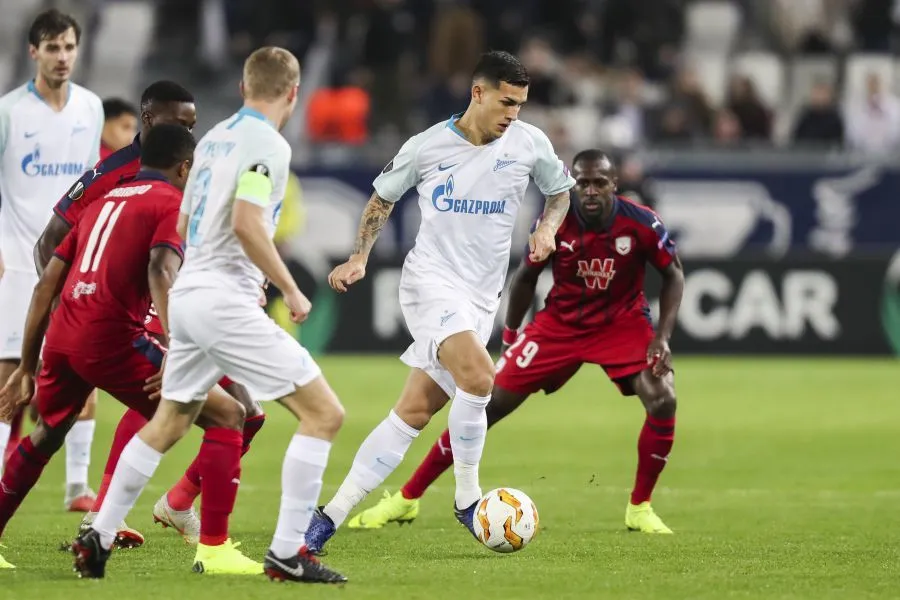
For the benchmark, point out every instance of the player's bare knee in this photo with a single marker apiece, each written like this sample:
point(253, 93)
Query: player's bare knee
point(331, 418)
point(477, 381)
point(416, 415)
point(662, 404)
point(48, 440)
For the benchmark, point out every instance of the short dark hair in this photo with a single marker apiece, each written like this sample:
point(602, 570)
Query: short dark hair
point(166, 145)
point(591, 155)
point(165, 91)
point(499, 66)
point(116, 107)
point(50, 24)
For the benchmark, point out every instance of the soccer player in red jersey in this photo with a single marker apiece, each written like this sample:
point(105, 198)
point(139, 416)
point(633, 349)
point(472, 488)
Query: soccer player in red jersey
point(595, 313)
point(162, 102)
point(96, 336)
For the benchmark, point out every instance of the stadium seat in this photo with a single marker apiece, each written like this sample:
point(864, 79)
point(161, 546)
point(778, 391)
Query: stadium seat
point(766, 71)
point(712, 73)
point(858, 66)
point(712, 25)
point(804, 72)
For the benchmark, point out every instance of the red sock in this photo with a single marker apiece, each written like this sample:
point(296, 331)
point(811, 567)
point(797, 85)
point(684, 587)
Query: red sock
point(183, 493)
point(654, 445)
point(130, 423)
point(438, 460)
point(15, 434)
point(220, 470)
point(23, 469)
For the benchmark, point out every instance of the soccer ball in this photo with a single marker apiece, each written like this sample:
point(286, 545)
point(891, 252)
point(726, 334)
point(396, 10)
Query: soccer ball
point(505, 520)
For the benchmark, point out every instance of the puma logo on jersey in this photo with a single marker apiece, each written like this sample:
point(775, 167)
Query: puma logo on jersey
point(570, 246)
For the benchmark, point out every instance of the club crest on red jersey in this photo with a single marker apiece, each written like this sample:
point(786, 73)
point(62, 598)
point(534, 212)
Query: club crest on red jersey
point(597, 273)
point(623, 245)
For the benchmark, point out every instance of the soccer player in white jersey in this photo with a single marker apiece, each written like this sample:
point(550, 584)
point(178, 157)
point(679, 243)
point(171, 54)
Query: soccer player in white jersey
point(228, 217)
point(471, 173)
point(49, 135)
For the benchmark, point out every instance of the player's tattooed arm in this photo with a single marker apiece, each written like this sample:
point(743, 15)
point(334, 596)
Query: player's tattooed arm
point(555, 210)
point(53, 235)
point(670, 297)
point(374, 216)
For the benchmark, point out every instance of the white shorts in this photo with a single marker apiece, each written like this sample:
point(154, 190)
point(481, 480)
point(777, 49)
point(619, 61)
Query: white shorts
point(16, 288)
point(432, 314)
point(213, 334)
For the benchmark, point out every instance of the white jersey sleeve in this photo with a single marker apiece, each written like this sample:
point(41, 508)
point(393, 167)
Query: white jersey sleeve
point(270, 161)
point(402, 173)
point(549, 172)
point(99, 120)
point(4, 127)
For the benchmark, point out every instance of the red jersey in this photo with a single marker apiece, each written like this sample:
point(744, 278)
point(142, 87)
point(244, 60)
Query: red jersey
point(118, 167)
point(106, 295)
point(598, 274)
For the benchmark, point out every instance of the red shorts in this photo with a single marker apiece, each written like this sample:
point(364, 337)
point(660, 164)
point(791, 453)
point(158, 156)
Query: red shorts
point(548, 353)
point(66, 379)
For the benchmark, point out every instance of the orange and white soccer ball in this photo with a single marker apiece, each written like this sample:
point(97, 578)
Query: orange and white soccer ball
point(506, 520)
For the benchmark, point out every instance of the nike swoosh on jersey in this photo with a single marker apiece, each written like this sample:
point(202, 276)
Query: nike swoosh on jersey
point(443, 168)
point(31, 135)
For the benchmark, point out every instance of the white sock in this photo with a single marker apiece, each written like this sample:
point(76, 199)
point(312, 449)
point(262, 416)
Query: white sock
point(136, 466)
point(78, 452)
point(301, 482)
point(376, 458)
point(468, 428)
point(5, 430)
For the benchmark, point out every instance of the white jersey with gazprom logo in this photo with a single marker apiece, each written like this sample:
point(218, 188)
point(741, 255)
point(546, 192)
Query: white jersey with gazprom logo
point(244, 142)
point(469, 197)
point(42, 152)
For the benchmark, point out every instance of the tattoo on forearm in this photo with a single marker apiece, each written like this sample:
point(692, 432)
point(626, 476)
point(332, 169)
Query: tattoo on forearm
point(373, 219)
point(555, 210)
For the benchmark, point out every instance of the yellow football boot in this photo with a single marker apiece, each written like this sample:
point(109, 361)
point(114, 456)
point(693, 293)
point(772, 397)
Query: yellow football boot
point(224, 560)
point(640, 517)
point(390, 509)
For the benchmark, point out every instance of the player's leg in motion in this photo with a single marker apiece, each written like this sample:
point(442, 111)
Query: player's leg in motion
point(380, 453)
point(175, 508)
point(79, 496)
point(130, 423)
point(60, 397)
point(403, 507)
point(6, 369)
point(471, 367)
point(321, 415)
point(654, 444)
point(222, 418)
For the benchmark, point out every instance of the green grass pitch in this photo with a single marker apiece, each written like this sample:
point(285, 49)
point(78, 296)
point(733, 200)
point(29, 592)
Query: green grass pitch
point(783, 483)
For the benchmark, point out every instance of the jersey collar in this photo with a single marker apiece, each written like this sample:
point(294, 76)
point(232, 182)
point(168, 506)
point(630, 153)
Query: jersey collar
point(33, 89)
point(603, 226)
point(249, 112)
point(150, 175)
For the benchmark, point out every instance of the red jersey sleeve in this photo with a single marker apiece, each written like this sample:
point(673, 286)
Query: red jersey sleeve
point(89, 187)
point(658, 243)
point(68, 247)
point(166, 234)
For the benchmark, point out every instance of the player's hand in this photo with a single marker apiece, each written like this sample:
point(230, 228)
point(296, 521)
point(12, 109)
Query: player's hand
point(541, 244)
point(17, 392)
point(343, 276)
point(153, 384)
point(298, 304)
point(659, 357)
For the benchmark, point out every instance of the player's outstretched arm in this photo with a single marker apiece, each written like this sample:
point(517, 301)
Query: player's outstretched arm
point(53, 235)
point(374, 216)
point(521, 294)
point(161, 273)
